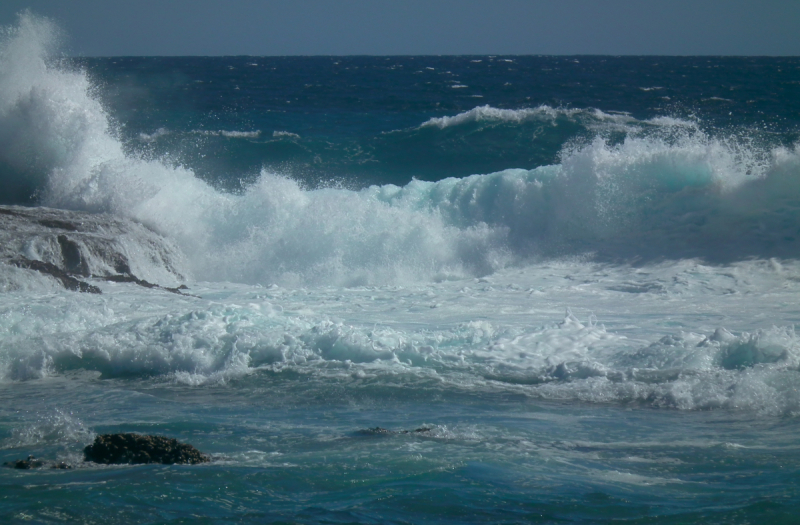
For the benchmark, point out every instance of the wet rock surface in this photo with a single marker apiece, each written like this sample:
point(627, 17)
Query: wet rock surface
point(29, 463)
point(141, 282)
point(139, 449)
point(72, 246)
point(379, 431)
point(69, 282)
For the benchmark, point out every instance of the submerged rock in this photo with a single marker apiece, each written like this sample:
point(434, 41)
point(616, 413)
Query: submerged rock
point(138, 449)
point(29, 463)
point(379, 431)
point(33, 462)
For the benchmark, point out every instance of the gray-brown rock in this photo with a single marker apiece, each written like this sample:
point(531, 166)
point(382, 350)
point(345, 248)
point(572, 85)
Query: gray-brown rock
point(72, 246)
point(137, 449)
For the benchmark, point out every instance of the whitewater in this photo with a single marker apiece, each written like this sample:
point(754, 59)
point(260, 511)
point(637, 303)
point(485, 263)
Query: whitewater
point(588, 299)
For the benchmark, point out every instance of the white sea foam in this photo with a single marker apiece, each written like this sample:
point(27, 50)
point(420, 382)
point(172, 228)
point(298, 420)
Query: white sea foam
point(58, 427)
point(229, 134)
point(492, 335)
point(157, 134)
point(285, 134)
point(488, 113)
point(593, 119)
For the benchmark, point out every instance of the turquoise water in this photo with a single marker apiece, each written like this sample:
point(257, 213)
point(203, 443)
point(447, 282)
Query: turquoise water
point(488, 458)
point(577, 277)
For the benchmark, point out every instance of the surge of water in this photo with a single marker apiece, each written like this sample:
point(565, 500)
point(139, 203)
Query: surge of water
point(500, 335)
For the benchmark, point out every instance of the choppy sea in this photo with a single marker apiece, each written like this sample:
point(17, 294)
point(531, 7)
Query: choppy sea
point(580, 275)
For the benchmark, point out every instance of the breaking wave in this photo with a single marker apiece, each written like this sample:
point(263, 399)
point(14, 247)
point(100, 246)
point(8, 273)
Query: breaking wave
point(666, 190)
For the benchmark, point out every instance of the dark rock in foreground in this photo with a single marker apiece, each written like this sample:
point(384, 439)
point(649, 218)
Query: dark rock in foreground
point(32, 462)
point(29, 463)
point(379, 431)
point(137, 449)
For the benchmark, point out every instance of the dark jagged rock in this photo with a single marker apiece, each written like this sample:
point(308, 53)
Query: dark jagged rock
point(138, 449)
point(416, 430)
point(141, 282)
point(69, 282)
point(73, 260)
point(379, 431)
point(25, 464)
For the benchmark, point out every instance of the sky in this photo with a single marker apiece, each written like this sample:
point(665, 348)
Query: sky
point(420, 27)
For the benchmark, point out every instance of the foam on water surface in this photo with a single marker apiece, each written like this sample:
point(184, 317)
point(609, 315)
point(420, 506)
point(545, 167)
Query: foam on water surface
point(695, 343)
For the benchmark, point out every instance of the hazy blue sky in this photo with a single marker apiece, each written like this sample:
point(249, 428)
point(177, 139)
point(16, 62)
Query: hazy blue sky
point(403, 27)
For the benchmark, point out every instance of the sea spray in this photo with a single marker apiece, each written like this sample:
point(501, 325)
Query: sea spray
point(668, 190)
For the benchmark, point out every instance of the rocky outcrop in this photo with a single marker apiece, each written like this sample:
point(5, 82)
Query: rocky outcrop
point(137, 449)
point(73, 246)
point(131, 449)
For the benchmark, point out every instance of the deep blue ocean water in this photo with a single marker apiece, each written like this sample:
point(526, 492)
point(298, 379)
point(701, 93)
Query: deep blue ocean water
point(579, 275)
point(357, 119)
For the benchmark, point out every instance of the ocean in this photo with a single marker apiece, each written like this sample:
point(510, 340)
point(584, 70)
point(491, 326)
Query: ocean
point(414, 289)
